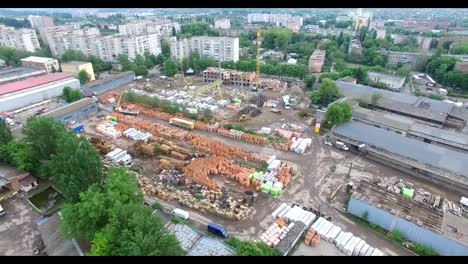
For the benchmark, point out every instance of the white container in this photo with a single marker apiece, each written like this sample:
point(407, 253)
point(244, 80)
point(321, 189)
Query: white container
point(363, 250)
point(110, 156)
point(338, 238)
point(180, 213)
point(126, 160)
point(344, 240)
point(369, 251)
point(278, 210)
point(349, 248)
point(284, 211)
point(358, 247)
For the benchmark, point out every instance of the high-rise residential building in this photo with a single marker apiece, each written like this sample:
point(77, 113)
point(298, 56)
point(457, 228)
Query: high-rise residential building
point(222, 23)
point(43, 32)
point(23, 38)
point(90, 42)
point(217, 48)
point(279, 20)
point(40, 21)
point(149, 26)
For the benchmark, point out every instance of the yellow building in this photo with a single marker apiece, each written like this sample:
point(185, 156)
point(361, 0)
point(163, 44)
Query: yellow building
point(76, 66)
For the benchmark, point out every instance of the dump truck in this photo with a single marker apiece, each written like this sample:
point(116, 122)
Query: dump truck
point(127, 111)
point(182, 123)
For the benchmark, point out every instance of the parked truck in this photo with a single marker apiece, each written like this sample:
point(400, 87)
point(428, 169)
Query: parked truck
point(180, 213)
point(218, 230)
point(182, 123)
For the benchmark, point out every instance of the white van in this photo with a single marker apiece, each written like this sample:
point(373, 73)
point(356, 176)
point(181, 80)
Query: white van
point(180, 213)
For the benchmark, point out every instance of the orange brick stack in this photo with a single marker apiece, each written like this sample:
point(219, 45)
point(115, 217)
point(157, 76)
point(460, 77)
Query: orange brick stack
point(315, 240)
point(198, 170)
point(104, 98)
point(121, 127)
point(280, 221)
point(284, 174)
point(259, 158)
point(205, 127)
point(216, 147)
point(283, 146)
point(309, 236)
point(254, 139)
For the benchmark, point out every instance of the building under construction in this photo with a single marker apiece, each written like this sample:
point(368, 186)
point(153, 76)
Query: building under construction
point(425, 222)
point(229, 77)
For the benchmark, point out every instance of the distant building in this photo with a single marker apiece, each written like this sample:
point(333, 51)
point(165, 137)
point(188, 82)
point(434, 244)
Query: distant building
point(229, 77)
point(279, 20)
point(360, 20)
point(33, 90)
point(393, 82)
point(424, 43)
point(49, 64)
point(316, 61)
point(381, 33)
point(23, 38)
point(376, 24)
point(76, 66)
point(294, 26)
point(398, 38)
point(222, 23)
point(462, 66)
point(408, 58)
point(355, 47)
point(19, 73)
point(349, 79)
point(40, 21)
point(217, 48)
point(75, 111)
point(149, 26)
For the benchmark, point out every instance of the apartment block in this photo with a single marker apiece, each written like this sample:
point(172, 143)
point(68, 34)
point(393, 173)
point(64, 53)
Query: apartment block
point(44, 31)
point(24, 39)
point(424, 43)
point(90, 42)
point(149, 26)
point(355, 47)
point(217, 48)
point(222, 23)
point(279, 20)
point(40, 21)
point(393, 82)
point(51, 65)
point(316, 60)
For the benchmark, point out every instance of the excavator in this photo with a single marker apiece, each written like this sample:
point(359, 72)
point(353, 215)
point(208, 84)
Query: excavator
point(243, 118)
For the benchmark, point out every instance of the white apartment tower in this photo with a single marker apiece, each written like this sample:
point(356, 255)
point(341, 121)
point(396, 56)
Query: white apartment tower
point(40, 21)
point(222, 23)
point(24, 39)
point(217, 48)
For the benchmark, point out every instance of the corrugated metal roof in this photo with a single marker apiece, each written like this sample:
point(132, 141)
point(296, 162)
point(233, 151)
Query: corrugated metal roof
point(108, 79)
point(34, 81)
point(425, 153)
point(440, 133)
point(69, 108)
point(55, 244)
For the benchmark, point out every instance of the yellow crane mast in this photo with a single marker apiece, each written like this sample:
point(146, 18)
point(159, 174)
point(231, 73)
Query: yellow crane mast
point(257, 71)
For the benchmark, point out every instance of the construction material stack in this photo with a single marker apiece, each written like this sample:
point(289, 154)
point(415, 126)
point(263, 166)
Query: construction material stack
point(119, 156)
point(137, 135)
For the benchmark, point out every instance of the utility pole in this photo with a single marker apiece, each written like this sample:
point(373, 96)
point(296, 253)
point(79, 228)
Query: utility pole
point(350, 167)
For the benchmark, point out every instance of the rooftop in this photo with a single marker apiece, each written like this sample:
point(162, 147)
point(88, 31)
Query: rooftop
point(18, 71)
point(32, 82)
point(382, 118)
point(428, 154)
point(75, 63)
point(38, 59)
point(70, 107)
point(441, 133)
point(54, 242)
point(110, 78)
point(386, 76)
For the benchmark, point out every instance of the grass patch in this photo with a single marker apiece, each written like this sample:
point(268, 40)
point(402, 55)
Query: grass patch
point(251, 164)
point(275, 139)
point(180, 220)
point(250, 248)
point(157, 206)
point(242, 128)
point(423, 250)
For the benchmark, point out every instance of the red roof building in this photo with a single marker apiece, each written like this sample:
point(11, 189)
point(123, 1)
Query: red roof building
point(32, 82)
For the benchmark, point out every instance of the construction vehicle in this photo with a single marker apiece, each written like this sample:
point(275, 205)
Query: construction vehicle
point(243, 118)
point(120, 109)
point(256, 85)
point(187, 83)
point(214, 86)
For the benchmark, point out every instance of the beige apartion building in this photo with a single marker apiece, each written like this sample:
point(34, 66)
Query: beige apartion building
point(49, 64)
point(24, 39)
point(75, 67)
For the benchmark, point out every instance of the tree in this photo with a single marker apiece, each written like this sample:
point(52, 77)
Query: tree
point(83, 76)
point(375, 98)
point(75, 166)
point(165, 48)
point(96, 205)
point(327, 93)
point(446, 45)
point(40, 135)
point(141, 70)
point(71, 95)
point(460, 49)
point(310, 80)
point(74, 55)
point(338, 113)
point(123, 60)
point(251, 248)
point(170, 67)
point(361, 75)
point(114, 218)
point(174, 32)
point(5, 133)
point(18, 154)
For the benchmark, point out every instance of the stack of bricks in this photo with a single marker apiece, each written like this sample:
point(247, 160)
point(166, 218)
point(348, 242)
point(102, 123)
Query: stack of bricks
point(254, 139)
point(140, 147)
point(285, 146)
point(198, 170)
point(284, 174)
point(121, 127)
point(168, 163)
point(205, 127)
point(309, 236)
point(216, 147)
point(259, 158)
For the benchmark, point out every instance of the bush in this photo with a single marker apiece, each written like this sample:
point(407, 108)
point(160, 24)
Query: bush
point(250, 248)
point(241, 128)
point(157, 206)
point(396, 236)
point(302, 113)
point(423, 250)
point(71, 95)
point(179, 220)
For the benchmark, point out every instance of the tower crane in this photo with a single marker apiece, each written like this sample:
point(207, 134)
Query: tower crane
point(257, 71)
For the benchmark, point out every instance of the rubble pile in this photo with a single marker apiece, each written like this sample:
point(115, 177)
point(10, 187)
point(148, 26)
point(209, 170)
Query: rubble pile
point(250, 110)
point(101, 145)
point(108, 97)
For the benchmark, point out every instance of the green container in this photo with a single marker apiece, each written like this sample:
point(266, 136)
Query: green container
point(408, 193)
point(236, 100)
point(275, 191)
point(266, 187)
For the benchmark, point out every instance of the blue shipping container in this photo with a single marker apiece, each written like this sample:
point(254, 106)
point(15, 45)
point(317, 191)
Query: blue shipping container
point(217, 230)
point(78, 128)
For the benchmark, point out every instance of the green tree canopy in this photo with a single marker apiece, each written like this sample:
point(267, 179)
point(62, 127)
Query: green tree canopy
point(338, 113)
point(460, 49)
point(83, 76)
point(5, 133)
point(71, 95)
point(310, 80)
point(170, 67)
point(327, 93)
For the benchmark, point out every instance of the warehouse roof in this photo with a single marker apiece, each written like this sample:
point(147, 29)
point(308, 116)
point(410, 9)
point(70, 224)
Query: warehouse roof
point(365, 92)
point(54, 242)
point(75, 63)
point(37, 59)
point(382, 118)
point(69, 108)
point(440, 133)
point(32, 82)
point(108, 79)
point(18, 71)
point(425, 153)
